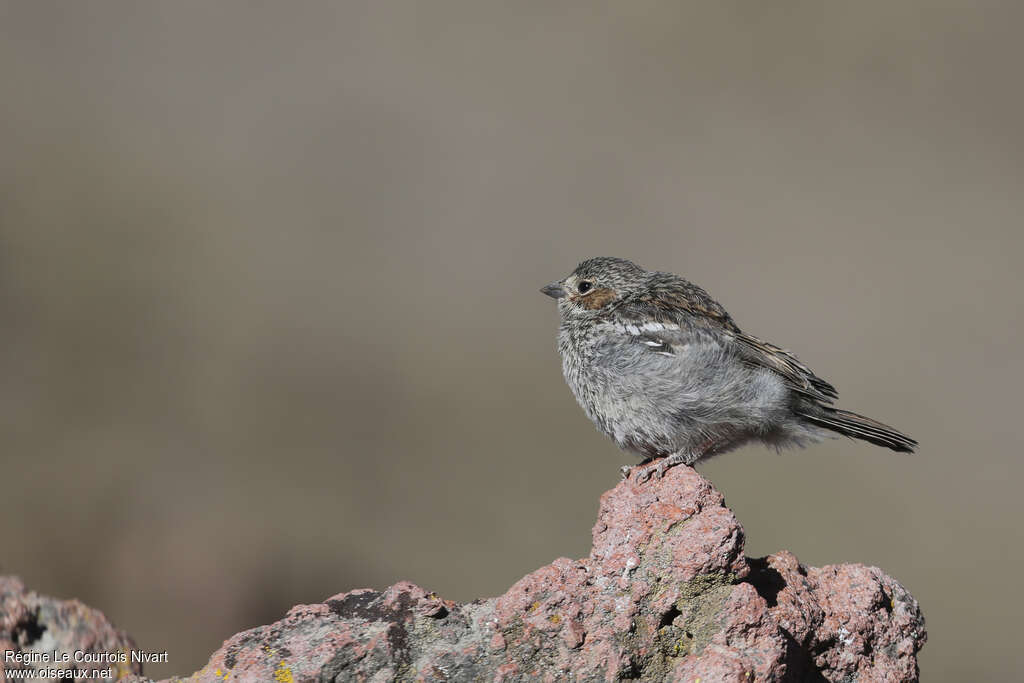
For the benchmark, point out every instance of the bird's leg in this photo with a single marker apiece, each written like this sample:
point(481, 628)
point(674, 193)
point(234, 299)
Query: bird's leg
point(677, 458)
point(626, 469)
point(659, 467)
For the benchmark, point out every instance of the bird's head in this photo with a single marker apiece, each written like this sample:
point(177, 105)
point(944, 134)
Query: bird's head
point(595, 285)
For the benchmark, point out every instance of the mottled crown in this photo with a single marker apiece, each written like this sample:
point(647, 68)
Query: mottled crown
point(610, 271)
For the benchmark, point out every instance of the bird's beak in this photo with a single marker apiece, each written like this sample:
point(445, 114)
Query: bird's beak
point(554, 290)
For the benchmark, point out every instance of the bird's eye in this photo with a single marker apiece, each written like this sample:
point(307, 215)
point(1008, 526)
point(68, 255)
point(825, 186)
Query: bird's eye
point(584, 286)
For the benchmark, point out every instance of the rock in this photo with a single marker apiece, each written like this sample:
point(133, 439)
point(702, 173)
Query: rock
point(32, 625)
point(666, 594)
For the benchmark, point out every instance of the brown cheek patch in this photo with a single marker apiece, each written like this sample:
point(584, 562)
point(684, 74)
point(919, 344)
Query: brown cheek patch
point(599, 298)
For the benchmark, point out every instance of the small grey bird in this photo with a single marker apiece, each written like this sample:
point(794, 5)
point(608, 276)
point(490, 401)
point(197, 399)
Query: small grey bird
point(661, 368)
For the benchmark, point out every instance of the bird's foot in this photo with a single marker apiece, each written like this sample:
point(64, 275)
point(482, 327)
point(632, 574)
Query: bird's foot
point(626, 469)
point(659, 467)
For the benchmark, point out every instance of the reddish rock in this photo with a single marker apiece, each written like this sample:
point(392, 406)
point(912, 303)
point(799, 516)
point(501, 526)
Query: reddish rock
point(665, 594)
point(32, 625)
point(860, 623)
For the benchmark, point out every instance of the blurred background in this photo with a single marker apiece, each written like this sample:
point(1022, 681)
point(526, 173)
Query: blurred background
point(269, 272)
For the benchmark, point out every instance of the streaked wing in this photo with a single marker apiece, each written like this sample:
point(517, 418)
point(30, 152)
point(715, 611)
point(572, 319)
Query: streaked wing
point(797, 375)
point(683, 309)
point(672, 299)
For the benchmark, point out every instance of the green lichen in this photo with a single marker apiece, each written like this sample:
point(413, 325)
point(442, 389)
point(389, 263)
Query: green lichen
point(698, 610)
point(513, 633)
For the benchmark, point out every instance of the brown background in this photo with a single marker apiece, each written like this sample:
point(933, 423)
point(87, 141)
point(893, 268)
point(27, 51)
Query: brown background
point(268, 283)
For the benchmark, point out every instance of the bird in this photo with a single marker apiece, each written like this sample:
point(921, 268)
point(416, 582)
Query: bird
point(663, 370)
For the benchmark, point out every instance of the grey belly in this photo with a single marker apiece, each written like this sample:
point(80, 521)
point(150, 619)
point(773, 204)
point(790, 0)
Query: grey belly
point(700, 396)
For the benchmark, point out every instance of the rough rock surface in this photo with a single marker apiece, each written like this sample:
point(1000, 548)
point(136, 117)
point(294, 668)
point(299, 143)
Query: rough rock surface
point(32, 623)
point(666, 594)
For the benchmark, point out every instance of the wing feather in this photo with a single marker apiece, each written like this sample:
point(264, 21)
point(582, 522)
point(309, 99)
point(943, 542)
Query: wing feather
point(683, 308)
point(797, 375)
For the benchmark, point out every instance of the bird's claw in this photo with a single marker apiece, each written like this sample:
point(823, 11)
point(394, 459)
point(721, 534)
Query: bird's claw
point(657, 470)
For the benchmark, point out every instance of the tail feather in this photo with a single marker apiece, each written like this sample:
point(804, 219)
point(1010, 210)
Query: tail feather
point(860, 427)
